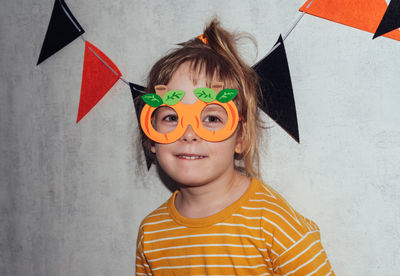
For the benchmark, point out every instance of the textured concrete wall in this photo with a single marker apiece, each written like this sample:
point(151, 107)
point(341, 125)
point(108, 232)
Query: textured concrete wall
point(72, 196)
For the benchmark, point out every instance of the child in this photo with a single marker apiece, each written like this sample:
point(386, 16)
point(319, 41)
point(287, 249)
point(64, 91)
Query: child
point(222, 220)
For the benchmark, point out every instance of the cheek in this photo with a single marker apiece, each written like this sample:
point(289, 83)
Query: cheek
point(157, 148)
point(232, 141)
point(162, 151)
point(225, 148)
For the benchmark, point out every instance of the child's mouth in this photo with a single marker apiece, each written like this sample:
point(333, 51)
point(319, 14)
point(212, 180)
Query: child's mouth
point(190, 156)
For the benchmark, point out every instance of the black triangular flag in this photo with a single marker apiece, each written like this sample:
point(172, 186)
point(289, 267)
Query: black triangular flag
point(63, 29)
point(137, 91)
point(391, 19)
point(276, 85)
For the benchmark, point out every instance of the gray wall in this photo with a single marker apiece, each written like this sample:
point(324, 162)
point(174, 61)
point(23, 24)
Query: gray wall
point(72, 196)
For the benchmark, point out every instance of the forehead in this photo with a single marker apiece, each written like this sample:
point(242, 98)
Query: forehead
point(188, 74)
point(187, 78)
point(205, 70)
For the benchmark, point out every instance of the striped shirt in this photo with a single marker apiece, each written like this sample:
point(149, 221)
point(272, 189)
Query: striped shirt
point(259, 234)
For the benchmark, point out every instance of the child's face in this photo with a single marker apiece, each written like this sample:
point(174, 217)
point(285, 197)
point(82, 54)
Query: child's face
point(191, 160)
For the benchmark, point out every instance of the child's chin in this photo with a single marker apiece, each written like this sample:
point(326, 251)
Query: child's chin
point(191, 180)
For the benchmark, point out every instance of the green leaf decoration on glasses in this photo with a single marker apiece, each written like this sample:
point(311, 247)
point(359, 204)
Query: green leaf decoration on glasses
point(173, 97)
point(205, 94)
point(152, 99)
point(225, 95)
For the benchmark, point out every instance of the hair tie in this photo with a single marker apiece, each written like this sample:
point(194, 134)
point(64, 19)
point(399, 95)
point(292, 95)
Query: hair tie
point(203, 39)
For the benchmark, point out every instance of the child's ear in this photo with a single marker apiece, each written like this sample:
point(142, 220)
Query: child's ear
point(240, 141)
point(152, 147)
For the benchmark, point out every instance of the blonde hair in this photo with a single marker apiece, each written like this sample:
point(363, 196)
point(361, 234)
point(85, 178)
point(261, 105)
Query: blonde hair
point(220, 60)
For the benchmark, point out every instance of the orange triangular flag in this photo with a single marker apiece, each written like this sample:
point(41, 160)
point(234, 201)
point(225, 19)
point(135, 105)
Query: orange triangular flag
point(361, 14)
point(99, 75)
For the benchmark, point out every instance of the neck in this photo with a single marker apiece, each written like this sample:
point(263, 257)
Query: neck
point(210, 198)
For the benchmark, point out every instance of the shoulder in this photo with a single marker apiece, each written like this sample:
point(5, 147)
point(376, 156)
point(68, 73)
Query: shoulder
point(279, 213)
point(159, 214)
point(294, 240)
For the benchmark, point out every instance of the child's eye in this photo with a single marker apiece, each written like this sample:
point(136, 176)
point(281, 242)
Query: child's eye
point(213, 122)
point(170, 118)
point(164, 119)
point(212, 119)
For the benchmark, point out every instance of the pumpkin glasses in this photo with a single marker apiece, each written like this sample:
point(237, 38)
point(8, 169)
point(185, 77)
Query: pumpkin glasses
point(213, 117)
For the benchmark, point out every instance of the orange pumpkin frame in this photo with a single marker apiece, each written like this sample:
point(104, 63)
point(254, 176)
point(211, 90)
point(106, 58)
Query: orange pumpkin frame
point(189, 114)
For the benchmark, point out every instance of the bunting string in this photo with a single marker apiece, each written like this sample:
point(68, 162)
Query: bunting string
point(294, 25)
point(70, 17)
point(287, 34)
point(102, 60)
point(105, 63)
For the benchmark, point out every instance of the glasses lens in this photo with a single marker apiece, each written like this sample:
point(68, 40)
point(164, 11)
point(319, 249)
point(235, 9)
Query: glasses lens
point(214, 117)
point(164, 119)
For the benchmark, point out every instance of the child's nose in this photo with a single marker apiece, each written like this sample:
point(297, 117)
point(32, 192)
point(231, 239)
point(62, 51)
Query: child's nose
point(190, 135)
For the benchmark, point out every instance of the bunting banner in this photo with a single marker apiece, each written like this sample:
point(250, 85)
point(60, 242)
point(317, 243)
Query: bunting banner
point(391, 19)
point(99, 75)
point(137, 91)
point(62, 30)
point(361, 14)
point(277, 92)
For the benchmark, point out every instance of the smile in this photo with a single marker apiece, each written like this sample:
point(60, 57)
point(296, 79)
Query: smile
point(190, 157)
